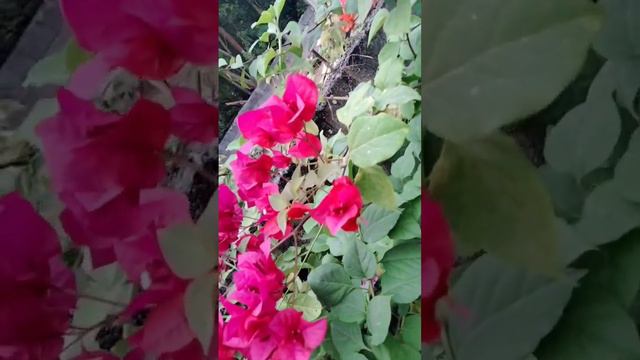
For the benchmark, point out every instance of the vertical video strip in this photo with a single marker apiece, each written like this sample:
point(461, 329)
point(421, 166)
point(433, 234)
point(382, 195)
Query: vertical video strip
point(108, 171)
point(320, 179)
point(531, 208)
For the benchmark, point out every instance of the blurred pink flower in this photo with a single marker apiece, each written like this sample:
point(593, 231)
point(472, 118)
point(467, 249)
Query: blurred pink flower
point(38, 290)
point(151, 39)
point(437, 263)
point(192, 119)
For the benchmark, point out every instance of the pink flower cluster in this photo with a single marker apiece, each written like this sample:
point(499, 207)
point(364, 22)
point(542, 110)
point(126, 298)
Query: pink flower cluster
point(108, 171)
point(276, 138)
point(256, 329)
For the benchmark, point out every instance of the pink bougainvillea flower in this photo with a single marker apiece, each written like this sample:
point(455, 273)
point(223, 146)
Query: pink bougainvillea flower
point(437, 262)
point(124, 228)
point(93, 156)
point(278, 121)
point(280, 160)
point(301, 95)
point(192, 119)
point(297, 211)
point(258, 196)
point(341, 208)
point(295, 338)
point(154, 39)
point(38, 290)
point(272, 124)
point(230, 218)
point(258, 281)
point(166, 331)
point(224, 352)
point(89, 79)
point(305, 146)
point(248, 172)
point(245, 332)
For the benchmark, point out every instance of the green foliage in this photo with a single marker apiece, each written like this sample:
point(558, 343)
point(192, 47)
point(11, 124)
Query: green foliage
point(495, 64)
point(502, 298)
point(484, 74)
point(493, 173)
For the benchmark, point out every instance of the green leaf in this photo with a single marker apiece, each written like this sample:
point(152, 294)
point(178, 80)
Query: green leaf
point(198, 306)
point(415, 132)
point(594, 327)
point(353, 356)
point(265, 17)
point(503, 298)
point(278, 6)
point(373, 139)
point(389, 51)
point(352, 309)
point(566, 193)
point(381, 247)
point(360, 102)
point(363, 10)
point(411, 331)
point(358, 261)
point(401, 278)
point(265, 60)
point(397, 95)
point(379, 319)
point(308, 304)
point(75, 56)
point(477, 65)
point(585, 138)
point(606, 216)
point(395, 349)
point(346, 337)
point(404, 166)
point(595, 324)
point(377, 223)
point(618, 272)
point(43, 109)
point(411, 188)
point(571, 245)
point(408, 225)
point(389, 73)
point(237, 62)
point(397, 24)
point(520, 227)
point(618, 39)
point(107, 282)
point(330, 282)
point(51, 70)
point(375, 186)
point(627, 172)
point(278, 202)
point(376, 24)
point(188, 250)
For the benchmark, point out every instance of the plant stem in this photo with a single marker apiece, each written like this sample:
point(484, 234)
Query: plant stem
point(411, 47)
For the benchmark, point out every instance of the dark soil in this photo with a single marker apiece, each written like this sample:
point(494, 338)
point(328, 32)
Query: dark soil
point(15, 16)
point(361, 67)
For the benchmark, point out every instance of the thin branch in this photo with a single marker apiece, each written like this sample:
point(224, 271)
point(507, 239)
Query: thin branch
point(235, 103)
point(231, 40)
point(411, 47)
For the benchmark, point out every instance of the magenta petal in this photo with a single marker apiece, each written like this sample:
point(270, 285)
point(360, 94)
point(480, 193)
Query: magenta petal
point(306, 146)
point(87, 81)
point(304, 88)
